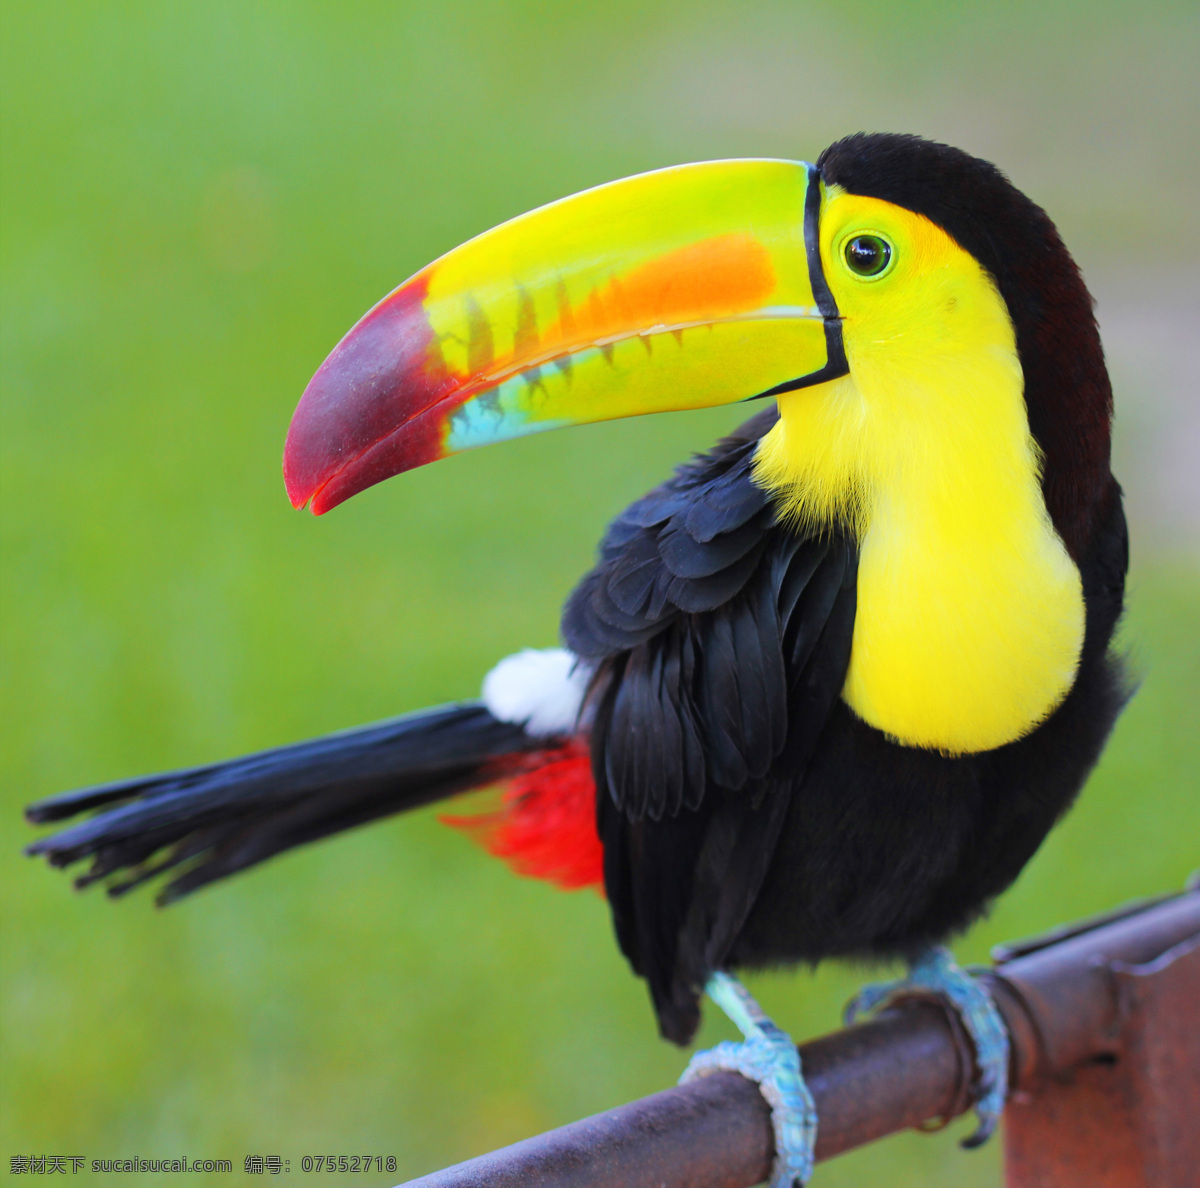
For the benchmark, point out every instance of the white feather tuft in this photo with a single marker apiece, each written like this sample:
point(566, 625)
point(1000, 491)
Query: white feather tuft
point(539, 689)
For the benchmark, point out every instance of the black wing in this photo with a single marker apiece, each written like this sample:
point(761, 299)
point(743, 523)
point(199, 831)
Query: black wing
point(721, 639)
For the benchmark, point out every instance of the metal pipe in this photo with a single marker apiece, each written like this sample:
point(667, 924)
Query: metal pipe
point(907, 1066)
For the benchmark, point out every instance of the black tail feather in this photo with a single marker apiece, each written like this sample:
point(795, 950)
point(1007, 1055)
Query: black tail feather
point(213, 821)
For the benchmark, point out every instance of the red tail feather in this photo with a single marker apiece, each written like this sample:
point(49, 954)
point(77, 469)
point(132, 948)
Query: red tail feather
point(546, 825)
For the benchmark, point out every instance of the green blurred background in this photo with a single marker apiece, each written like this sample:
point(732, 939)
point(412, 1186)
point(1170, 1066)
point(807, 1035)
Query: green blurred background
point(198, 200)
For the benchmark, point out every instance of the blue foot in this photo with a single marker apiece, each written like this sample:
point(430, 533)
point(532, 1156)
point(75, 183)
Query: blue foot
point(769, 1058)
point(937, 973)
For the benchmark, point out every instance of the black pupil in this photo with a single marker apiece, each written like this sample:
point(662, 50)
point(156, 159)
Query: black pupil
point(868, 255)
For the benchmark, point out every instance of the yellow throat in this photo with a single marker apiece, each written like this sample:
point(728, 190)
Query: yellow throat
point(970, 612)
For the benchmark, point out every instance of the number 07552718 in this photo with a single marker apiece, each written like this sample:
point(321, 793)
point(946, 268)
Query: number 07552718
point(348, 1163)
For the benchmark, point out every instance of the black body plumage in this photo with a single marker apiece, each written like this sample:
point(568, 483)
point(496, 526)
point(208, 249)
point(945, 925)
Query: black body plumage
point(748, 817)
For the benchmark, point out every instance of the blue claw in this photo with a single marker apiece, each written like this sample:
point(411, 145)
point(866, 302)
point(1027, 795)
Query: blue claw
point(868, 998)
point(769, 1058)
point(936, 972)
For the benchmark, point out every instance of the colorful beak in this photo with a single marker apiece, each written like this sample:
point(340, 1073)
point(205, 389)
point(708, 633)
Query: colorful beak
point(683, 288)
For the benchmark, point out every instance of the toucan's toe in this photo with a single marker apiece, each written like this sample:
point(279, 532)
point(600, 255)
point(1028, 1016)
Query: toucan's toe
point(936, 972)
point(768, 1057)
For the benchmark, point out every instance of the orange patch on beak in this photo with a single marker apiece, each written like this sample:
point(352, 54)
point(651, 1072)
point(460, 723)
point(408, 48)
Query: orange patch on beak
point(728, 274)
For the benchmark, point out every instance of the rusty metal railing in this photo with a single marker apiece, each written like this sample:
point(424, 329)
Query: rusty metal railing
point(1104, 1019)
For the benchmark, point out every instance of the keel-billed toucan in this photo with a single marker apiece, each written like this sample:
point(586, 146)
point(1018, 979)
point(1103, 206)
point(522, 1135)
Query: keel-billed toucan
point(828, 687)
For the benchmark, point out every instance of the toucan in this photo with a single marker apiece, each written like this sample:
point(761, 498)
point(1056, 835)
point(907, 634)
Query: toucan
point(828, 687)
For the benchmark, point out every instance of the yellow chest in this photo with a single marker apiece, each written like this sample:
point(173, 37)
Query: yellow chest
point(970, 614)
point(962, 641)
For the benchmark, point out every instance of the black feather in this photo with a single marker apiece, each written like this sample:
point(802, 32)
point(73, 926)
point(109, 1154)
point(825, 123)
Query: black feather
point(214, 820)
point(699, 595)
point(698, 607)
point(686, 557)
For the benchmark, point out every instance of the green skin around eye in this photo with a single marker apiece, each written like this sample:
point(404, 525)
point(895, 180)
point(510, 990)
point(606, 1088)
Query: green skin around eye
point(868, 255)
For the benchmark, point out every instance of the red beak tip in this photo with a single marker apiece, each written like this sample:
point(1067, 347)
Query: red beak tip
point(299, 493)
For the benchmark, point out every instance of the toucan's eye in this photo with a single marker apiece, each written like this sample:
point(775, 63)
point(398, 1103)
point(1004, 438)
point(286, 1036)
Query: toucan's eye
point(868, 255)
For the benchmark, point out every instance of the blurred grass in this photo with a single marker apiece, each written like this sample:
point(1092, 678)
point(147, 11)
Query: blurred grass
point(197, 201)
